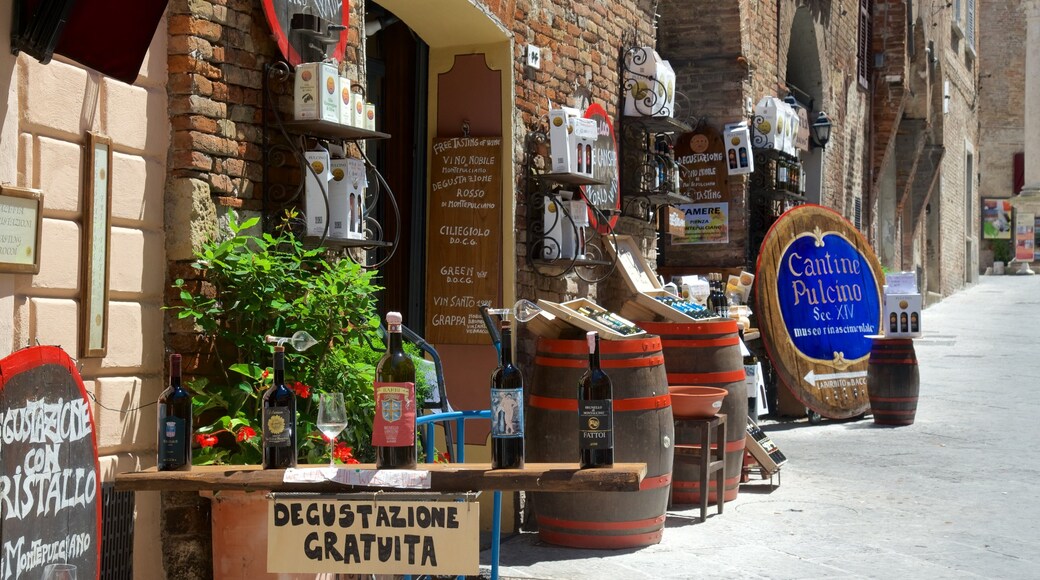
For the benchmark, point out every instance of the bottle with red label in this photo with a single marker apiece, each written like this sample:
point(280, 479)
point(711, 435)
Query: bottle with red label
point(393, 430)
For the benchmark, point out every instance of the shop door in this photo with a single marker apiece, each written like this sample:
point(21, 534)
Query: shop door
point(397, 64)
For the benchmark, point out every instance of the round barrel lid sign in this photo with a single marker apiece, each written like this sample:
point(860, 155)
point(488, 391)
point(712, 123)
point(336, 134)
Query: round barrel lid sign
point(50, 488)
point(818, 300)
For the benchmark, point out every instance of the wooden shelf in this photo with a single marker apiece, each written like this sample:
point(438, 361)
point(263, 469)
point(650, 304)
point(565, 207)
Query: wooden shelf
point(669, 198)
point(567, 262)
point(658, 124)
point(445, 477)
point(333, 130)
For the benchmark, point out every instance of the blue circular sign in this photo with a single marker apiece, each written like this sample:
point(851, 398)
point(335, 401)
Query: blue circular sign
point(828, 297)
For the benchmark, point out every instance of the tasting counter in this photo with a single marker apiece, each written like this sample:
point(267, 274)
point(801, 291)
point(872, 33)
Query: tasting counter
point(224, 484)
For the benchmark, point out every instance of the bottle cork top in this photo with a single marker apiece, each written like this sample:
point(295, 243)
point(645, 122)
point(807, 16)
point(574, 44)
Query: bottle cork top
point(279, 348)
point(393, 318)
point(590, 337)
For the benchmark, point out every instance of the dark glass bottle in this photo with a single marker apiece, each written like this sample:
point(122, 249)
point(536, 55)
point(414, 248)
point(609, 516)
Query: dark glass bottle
point(279, 419)
point(751, 377)
point(595, 412)
point(393, 430)
point(174, 422)
point(507, 409)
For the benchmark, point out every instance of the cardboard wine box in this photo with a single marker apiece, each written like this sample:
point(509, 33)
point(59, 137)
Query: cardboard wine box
point(902, 308)
point(571, 139)
point(643, 283)
point(316, 92)
point(739, 158)
point(563, 228)
point(316, 189)
point(339, 211)
point(357, 184)
point(650, 84)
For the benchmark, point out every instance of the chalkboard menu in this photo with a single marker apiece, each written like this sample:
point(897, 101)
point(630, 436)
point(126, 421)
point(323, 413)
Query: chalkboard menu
point(464, 238)
point(702, 156)
point(50, 488)
point(819, 300)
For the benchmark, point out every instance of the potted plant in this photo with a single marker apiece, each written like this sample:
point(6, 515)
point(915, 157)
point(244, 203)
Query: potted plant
point(1001, 255)
point(270, 284)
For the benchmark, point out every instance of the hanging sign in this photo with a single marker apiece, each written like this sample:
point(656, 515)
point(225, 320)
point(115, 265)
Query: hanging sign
point(1024, 224)
point(605, 168)
point(819, 300)
point(50, 482)
point(287, 18)
point(466, 228)
point(702, 157)
point(373, 536)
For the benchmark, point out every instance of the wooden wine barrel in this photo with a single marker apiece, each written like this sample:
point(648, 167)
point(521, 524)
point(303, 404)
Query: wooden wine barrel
point(893, 381)
point(643, 432)
point(707, 353)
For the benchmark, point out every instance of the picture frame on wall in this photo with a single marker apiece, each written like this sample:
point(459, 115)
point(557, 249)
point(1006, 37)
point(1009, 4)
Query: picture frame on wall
point(97, 236)
point(996, 219)
point(21, 226)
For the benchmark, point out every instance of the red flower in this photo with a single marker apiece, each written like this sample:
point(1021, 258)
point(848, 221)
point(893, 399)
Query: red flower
point(206, 440)
point(344, 453)
point(265, 374)
point(439, 457)
point(301, 389)
point(245, 433)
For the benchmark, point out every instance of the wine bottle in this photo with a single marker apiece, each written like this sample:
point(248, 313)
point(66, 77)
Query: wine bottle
point(175, 422)
point(750, 377)
point(507, 409)
point(279, 419)
point(595, 412)
point(393, 430)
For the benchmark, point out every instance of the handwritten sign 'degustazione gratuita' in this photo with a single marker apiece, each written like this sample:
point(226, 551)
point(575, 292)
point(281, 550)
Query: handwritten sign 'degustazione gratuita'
point(50, 489)
point(819, 300)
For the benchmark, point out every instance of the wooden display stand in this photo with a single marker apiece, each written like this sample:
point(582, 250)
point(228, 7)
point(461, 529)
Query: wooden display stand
point(761, 449)
point(644, 285)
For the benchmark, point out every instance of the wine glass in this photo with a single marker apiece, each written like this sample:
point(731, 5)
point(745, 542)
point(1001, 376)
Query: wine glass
point(59, 572)
point(301, 340)
point(332, 420)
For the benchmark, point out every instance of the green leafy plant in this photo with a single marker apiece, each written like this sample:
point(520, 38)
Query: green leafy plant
point(1001, 251)
point(273, 285)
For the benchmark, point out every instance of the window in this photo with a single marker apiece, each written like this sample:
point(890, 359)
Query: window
point(857, 212)
point(863, 42)
point(969, 25)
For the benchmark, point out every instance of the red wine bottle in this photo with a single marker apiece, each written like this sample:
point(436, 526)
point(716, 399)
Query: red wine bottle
point(595, 412)
point(507, 409)
point(175, 422)
point(393, 430)
point(279, 418)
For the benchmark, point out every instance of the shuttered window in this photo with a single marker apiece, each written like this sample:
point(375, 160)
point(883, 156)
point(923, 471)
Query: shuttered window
point(863, 42)
point(969, 24)
point(857, 212)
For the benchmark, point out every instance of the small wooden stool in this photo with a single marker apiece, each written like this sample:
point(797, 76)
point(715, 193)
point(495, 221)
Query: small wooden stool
point(708, 461)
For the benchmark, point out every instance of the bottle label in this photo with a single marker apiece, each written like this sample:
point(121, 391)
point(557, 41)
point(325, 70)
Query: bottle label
point(507, 413)
point(394, 424)
point(751, 380)
point(595, 424)
point(277, 427)
point(172, 441)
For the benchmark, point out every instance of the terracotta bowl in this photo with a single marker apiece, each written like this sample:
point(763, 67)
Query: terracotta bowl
point(696, 402)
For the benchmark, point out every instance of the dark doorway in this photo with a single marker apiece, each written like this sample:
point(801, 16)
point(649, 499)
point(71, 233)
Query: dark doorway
point(397, 64)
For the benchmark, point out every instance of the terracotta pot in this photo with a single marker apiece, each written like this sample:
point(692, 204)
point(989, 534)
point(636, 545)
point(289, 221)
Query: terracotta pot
point(696, 402)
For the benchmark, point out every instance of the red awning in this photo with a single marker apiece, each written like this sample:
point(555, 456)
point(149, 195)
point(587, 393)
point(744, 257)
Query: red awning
point(109, 36)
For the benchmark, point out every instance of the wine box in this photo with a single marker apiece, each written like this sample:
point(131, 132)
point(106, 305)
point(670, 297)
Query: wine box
point(737, 138)
point(316, 178)
point(571, 142)
point(762, 448)
point(902, 317)
point(568, 311)
point(339, 202)
point(346, 102)
point(644, 285)
point(316, 92)
point(562, 227)
point(650, 84)
point(357, 183)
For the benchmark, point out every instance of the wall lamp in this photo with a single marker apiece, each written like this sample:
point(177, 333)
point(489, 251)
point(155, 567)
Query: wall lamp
point(820, 130)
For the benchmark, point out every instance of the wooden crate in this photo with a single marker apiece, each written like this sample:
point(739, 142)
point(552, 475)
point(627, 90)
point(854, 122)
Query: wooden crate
point(568, 311)
point(642, 281)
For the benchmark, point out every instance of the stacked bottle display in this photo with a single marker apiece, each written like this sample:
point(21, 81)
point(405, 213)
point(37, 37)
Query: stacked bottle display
point(718, 304)
point(788, 175)
point(610, 320)
point(690, 309)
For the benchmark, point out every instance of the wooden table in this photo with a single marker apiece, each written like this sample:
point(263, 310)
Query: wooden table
point(445, 477)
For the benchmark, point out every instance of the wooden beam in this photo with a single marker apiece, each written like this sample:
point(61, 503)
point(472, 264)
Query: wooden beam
point(445, 477)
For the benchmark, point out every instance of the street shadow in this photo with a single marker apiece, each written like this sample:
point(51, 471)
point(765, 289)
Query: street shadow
point(525, 549)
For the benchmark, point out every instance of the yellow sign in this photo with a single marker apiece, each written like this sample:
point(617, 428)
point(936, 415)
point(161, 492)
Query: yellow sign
point(374, 535)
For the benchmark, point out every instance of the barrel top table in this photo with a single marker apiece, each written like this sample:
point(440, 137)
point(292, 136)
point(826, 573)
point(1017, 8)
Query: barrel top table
point(445, 477)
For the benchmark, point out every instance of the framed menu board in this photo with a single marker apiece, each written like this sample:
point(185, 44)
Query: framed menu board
point(464, 238)
point(20, 229)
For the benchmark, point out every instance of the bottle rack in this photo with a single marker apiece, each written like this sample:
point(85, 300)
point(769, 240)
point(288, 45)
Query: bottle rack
point(543, 250)
point(282, 156)
point(647, 143)
point(768, 199)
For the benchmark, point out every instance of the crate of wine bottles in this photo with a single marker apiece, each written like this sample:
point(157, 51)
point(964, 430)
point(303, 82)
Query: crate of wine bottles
point(650, 301)
point(588, 315)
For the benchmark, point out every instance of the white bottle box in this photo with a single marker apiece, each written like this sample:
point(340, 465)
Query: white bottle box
point(339, 209)
point(650, 84)
point(315, 179)
point(571, 140)
point(357, 183)
point(739, 158)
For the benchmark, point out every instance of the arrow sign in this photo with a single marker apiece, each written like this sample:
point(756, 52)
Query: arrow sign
point(812, 377)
